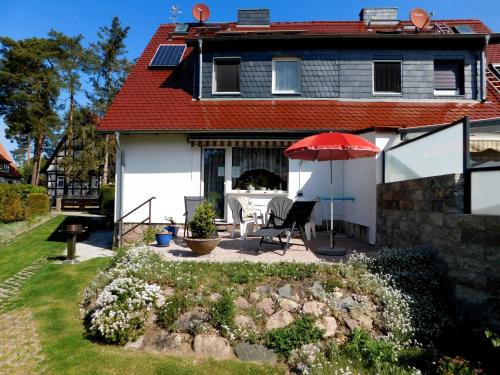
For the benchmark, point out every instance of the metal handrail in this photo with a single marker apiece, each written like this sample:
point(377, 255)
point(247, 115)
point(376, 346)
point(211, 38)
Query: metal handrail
point(120, 220)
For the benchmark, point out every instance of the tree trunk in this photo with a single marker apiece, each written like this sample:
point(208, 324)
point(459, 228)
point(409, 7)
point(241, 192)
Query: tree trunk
point(69, 142)
point(37, 157)
point(105, 171)
point(28, 150)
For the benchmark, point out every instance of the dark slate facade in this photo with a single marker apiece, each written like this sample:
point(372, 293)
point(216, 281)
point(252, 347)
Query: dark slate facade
point(330, 73)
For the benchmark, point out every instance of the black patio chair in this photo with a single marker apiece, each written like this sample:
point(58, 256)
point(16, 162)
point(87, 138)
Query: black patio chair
point(191, 204)
point(296, 218)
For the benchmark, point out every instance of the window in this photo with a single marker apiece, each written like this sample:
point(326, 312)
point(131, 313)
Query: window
point(226, 76)
point(286, 76)
point(263, 168)
point(60, 182)
point(4, 166)
point(448, 77)
point(387, 77)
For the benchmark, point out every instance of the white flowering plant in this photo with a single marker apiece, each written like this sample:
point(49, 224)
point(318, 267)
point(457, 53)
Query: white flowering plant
point(121, 309)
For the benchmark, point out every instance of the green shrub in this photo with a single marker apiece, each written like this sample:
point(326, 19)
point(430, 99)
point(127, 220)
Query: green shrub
point(223, 311)
point(203, 223)
point(107, 197)
point(14, 201)
point(37, 204)
point(149, 234)
point(173, 308)
point(454, 366)
point(372, 353)
point(302, 331)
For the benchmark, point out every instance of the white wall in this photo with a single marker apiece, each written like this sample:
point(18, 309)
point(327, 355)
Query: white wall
point(434, 155)
point(164, 166)
point(485, 197)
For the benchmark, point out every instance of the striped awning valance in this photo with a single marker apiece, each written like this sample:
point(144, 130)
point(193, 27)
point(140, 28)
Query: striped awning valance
point(262, 143)
point(482, 145)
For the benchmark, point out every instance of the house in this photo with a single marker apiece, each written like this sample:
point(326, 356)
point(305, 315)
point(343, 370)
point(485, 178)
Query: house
point(73, 191)
point(210, 107)
point(8, 170)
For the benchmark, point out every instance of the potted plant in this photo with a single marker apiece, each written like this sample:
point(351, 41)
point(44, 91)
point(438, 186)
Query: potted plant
point(203, 230)
point(163, 238)
point(172, 228)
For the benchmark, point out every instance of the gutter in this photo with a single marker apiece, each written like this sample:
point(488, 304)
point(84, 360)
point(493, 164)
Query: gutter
point(120, 172)
point(200, 69)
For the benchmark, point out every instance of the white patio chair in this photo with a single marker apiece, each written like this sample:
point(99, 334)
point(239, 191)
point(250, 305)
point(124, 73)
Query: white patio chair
point(310, 226)
point(278, 208)
point(244, 218)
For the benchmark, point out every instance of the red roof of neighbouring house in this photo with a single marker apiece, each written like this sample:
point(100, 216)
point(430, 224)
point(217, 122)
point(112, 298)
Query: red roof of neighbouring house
point(5, 157)
point(162, 100)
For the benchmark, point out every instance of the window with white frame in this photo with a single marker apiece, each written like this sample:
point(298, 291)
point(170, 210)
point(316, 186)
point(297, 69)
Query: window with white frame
point(60, 182)
point(286, 75)
point(448, 77)
point(226, 75)
point(387, 77)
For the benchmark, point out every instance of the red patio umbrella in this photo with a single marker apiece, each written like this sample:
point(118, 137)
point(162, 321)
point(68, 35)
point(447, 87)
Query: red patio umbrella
point(331, 146)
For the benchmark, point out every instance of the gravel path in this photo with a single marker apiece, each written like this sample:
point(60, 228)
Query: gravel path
point(20, 348)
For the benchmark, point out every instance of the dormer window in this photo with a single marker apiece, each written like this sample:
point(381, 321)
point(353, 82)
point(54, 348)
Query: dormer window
point(226, 76)
point(4, 166)
point(387, 77)
point(448, 77)
point(286, 75)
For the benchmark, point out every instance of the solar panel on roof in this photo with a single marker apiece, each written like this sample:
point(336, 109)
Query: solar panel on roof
point(168, 55)
point(181, 28)
point(464, 29)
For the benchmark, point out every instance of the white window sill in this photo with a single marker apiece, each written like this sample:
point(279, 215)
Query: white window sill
point(226, 93)
point(388, 93)
point(286, 92)
point(447, 93)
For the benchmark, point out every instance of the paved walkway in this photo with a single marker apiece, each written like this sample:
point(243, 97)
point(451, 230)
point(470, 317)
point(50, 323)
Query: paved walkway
point(98, 244)
point(234, 250)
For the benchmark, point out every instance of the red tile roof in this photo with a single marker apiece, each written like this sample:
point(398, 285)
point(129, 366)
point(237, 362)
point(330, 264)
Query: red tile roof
point(5, 156)
point(162, 100)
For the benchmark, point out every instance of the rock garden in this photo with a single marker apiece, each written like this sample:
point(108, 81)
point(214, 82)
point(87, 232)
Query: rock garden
point(325, 319)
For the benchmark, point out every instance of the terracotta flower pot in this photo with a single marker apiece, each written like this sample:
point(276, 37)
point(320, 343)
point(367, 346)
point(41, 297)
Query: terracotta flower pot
point(202, 246)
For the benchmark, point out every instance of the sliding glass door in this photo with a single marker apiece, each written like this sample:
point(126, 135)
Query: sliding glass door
point(214, 168)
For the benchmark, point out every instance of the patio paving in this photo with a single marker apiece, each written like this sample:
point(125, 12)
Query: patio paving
point(235, 250)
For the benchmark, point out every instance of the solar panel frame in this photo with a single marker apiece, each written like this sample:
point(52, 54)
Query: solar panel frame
point(165, 59)
point(463, 29)
point(181, 28)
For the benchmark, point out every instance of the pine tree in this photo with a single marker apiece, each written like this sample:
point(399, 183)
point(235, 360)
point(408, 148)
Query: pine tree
point(108, 70)
point(29, 90)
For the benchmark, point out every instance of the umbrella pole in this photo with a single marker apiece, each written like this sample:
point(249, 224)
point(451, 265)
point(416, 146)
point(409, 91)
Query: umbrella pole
point(332, 242)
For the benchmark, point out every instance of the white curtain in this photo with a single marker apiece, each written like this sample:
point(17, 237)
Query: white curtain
point(287, 75)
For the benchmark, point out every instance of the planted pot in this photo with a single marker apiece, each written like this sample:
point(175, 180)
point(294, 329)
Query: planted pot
point(163, 238)
point(202, 246)
point(172, 229)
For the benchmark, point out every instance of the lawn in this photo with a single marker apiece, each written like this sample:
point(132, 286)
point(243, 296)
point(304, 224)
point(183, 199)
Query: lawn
point(36, 243)
point(54, 295)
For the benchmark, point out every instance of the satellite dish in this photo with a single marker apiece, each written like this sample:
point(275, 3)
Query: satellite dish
point(419, 18)
point(201, 12)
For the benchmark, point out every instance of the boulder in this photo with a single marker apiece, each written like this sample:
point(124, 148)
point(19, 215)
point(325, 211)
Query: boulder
point(135, 345)
point(296, 297)
point(242, 321)
point(314, 308)
point(343, 304)
point(190, 319)
point(328, 324)
point(214, 297)
point(365, 321)
point(209, 345)
point(317, 290)
point(286, 291)
point(279, 320)
point(241, 303)
point(164, 342)
point(351, 323)
point(255, 353)
point(169, 291)
point(264, 290)
point(337, 295)
point(266, 306)
point(254, 297)
point(288, 304)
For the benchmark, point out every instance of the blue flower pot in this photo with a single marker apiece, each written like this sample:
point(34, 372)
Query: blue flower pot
point(163, 239)
point(172, 230)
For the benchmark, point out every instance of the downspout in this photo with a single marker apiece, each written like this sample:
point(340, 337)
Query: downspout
point(200, 69)
point(120, 172)
point(483, 69)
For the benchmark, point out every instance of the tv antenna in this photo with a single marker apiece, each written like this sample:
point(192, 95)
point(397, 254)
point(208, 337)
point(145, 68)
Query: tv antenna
point(175, 10)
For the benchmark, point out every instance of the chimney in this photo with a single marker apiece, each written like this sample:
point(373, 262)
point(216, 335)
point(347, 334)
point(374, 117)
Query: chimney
point(253, 17)
point(380, 15)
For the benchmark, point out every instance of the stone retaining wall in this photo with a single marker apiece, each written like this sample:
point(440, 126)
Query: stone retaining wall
point(429, 212)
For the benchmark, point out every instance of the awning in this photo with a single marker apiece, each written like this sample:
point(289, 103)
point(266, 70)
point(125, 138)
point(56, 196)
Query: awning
point(255, 143)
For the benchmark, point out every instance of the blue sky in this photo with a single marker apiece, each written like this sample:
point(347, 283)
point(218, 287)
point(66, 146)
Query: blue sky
point(27, 18)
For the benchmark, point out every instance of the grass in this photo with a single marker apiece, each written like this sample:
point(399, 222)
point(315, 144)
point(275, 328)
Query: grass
point(54, 295)
point(9, 230)
point(29, 247)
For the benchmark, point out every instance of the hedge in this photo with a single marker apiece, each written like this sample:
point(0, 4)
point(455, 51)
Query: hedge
point(19, 202)
point(107, 200)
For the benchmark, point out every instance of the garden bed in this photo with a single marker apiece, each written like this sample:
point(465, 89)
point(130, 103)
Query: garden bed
point(345, 318)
